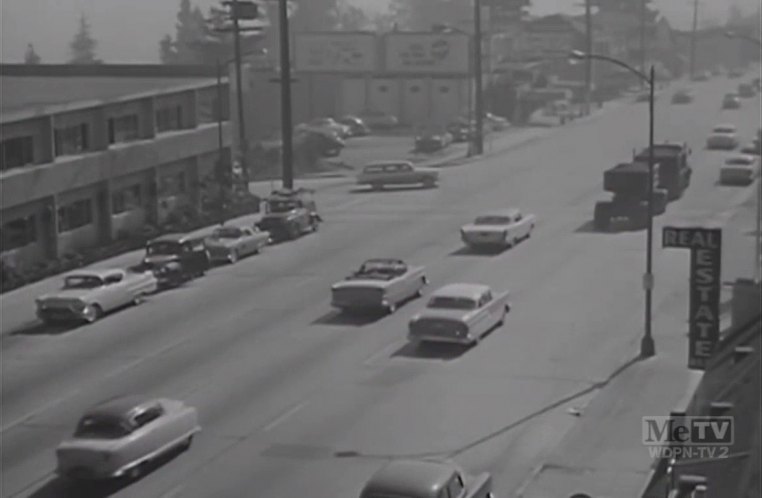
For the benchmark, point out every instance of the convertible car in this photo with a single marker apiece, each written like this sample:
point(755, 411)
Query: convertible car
point(378, 284)
point(502, 228)
point(459, 313)
point(88, 294)
point(122, 436)
point(229, 243)
point(426, 479)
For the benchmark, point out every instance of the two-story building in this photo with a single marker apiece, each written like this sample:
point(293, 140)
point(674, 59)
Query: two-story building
point(89, 159)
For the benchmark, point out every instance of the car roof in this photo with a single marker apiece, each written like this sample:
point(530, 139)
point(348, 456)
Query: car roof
point(509, 212)
point(172, 237)
point(724, 125)
point(389, 162)
point(95, 272)
point(121, 406)
point(410, 478)
point(473, 291)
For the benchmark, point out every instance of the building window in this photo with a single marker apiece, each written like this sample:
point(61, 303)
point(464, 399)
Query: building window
point(17, 152)
point(75, 215)
point(169, 118)
point(173, 184)
point(72, 140)
point(126, 199)
point(123, 129)
point(18, 233)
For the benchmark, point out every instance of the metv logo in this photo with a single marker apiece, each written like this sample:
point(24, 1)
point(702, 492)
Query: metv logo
point(691, 431)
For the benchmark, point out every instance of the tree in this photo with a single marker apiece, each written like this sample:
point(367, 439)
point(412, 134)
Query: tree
point(316, 15)
point(736, 16)
point(351, 18)
point(31, 57)
point(83, 45)
point(167, 52)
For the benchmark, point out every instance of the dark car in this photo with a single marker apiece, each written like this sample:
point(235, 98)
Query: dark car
point(460, 130)
point(289, 214)
point(357, 127)
point(731, 101)
point(682, 97)
point(176, 258)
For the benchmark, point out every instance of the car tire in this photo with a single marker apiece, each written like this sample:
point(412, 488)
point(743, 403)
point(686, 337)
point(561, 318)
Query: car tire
point(138, 299)
point(137, 471)
point(419, 292)
point(186, 444)
point(391, 308)
point(96, 312)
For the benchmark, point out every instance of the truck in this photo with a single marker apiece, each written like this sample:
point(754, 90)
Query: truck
point(629, 184)
point(674, 170)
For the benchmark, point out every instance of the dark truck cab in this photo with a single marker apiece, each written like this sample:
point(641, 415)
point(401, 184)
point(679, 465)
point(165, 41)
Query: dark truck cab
point(175, 258)
point(629, 184)
point(289, 214)
point(674, 170)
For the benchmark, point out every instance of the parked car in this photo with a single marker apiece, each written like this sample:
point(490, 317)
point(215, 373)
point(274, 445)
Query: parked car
point(289, 214)
point(459, 313)
point(325, 125)
point(461, 130)
point(378, 119)
point(731, 101)
point(176, 258)
point(723, 137)
point(326, 143)
point(122, 436)
point(229, 243)
point(682, 97)
point(426, 479)
point(497, 123)
point(501, 228)
point(379, 284)
point(382, 173)
point(754, 148)
point(357, 127)
point(87, 295)
point(739, 170)
point(746, 90)
point(432, 141)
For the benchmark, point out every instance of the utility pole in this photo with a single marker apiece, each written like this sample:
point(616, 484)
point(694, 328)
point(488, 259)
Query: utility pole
point(589, 50)
point(643, 36)
point(693, 39)
point(285, 98)
point(479, 97)
point(221, 170)
point(243, 145)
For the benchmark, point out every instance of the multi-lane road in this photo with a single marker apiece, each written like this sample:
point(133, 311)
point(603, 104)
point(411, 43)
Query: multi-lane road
point(296, 400)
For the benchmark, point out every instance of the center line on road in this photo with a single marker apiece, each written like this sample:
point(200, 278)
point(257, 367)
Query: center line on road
point(384, 352)
point(284, 416)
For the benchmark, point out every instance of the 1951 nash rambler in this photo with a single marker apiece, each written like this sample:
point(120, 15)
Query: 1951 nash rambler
point(379, 284)
point(122, 436)
point(426, 479)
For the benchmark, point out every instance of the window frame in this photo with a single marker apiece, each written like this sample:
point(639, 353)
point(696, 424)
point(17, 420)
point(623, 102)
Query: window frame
point(25, 154)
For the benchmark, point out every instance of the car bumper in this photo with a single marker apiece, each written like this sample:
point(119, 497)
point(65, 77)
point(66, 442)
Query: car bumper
point(484, 240)
point(423, 336)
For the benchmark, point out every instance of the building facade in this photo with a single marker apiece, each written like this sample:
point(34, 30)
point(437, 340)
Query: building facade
point(83, 173)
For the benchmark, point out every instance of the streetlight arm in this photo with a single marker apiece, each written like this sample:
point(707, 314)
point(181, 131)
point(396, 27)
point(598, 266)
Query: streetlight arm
point(619, 63)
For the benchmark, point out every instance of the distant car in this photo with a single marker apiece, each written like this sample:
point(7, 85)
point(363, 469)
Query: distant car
point(498, 123)
point(432, 141)
point(746, 90)
point(682, 97)
point(460, 130)
point(459, 313)
point(122, 436)
point(89, 294)
point(731, 101)
point(426, 479)
point(723, 137)
point(289, 214)
point(382, 173)
point(501, 228)
point(754, 148)
point(379, 284)
point(739, 170)
point(326, 125)
point(378, 119)
point(701, 76)
point(176, 258)
point(229, 243)
point(357, 127)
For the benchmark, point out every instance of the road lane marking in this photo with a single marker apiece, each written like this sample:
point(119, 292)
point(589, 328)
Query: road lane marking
point(386, 351)
point(284, 416)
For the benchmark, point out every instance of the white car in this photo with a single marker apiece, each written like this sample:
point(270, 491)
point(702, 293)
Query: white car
point(723, 137)
point(326, 125)
point(502, 228)
point(229, 243)
point(739, 170)
point(88, 294)
point(459, 313)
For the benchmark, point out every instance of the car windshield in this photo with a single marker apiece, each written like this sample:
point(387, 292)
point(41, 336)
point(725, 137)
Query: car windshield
point(101, 428)
point(163, 247)
point(282, 206)
point(82, 282)
point(382, 267)
point(492, 220)
point(724, 129)
point(227, 233)
point(745, 161)
point(453, 303)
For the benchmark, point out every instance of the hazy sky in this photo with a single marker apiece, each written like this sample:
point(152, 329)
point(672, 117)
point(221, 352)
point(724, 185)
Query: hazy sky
point(129, 30)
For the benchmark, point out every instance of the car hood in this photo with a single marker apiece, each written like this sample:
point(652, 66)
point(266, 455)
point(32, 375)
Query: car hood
point(70, 295)
point(367, 283)
point(446, 314)
point(159, 259)
point(484, 228)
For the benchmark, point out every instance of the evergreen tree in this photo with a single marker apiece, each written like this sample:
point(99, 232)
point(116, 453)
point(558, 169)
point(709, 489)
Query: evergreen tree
point(83, 45)
point(167, 53)
point(350, 17)
point(31, 57)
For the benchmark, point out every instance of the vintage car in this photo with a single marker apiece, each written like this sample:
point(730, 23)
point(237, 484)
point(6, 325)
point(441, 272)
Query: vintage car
point(754, 148)
point(723, 137)
point(378, 284)
point(682, 97)
point(459, 313)
point(289, 214)
point(325, 125)
point(739, 170)
point(357, 127)
point(461, 130)
point(501, 228)
point(229, 243)
point(426, 479)
point(432, 141)
point(376, 119)
point(120, 437)
point(88, 294)
point(731, 101)
point(382, 173)
point(176, 258)
point(497, 123)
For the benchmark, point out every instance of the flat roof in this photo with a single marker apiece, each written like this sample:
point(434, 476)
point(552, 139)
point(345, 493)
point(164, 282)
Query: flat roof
point(25, 97)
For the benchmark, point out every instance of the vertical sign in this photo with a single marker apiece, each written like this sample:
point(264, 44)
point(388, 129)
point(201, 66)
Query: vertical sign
point(705, 281)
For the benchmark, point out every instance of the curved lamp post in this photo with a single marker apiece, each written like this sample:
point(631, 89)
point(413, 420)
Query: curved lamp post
point(647, 346)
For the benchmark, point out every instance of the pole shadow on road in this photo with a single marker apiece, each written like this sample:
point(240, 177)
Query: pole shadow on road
point(37, 328)
point(338, 318)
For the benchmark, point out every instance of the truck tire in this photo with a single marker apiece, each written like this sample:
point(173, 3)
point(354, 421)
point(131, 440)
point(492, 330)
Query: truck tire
point(602, 216)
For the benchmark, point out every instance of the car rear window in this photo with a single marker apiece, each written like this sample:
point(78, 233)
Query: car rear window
point(450, 302)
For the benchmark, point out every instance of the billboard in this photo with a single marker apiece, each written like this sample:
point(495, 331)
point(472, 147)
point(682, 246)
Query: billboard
point(427, 52)
point(335, 52)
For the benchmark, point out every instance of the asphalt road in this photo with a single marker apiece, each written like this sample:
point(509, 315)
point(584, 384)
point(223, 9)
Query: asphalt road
point(295, 400)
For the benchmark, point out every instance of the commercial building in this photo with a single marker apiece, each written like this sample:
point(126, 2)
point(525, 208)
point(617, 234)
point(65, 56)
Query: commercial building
point(92, 155)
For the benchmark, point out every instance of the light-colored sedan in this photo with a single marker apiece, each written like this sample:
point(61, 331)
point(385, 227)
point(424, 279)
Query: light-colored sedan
point(723, 137)
point(88, 294)
point(459, 313)
point(379, 284)
point(122, 436)
point(739, 170)
point(229, 243)
point(426, 479)
point(382, 173)
point(501, 228)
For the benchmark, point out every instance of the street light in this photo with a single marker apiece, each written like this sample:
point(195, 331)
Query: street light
point(647, 347)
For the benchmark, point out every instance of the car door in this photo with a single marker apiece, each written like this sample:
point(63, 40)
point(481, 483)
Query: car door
point(520, 225)
point(247, 242)
point(492, 311)
point(151, 433)
point(406, 174)
point(113, 292)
